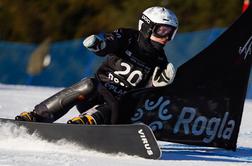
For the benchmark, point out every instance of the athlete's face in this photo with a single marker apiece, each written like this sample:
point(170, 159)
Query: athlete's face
point(160, 40)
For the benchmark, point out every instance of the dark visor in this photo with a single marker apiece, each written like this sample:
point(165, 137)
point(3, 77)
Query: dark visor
point(163, 31)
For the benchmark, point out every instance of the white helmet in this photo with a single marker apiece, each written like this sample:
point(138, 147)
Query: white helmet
point(154, 16)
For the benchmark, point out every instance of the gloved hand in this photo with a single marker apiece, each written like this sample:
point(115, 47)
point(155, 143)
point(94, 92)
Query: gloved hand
point(94, 43)
point(164, 78)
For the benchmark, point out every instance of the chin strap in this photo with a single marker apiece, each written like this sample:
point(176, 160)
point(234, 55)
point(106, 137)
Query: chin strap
point(165, 77)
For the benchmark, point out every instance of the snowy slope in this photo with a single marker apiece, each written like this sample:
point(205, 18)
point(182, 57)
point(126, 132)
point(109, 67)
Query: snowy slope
point(18, 148)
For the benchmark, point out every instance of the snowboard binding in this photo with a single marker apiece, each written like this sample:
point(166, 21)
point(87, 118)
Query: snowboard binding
point(83, 119)
point(26, 116)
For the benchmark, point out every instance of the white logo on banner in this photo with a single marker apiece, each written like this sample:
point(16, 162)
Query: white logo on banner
point(246, 49)
point(188, 120)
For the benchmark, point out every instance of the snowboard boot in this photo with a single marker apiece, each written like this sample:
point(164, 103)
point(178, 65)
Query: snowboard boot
point(83, 119)
point(93, 116)
point(26, 116)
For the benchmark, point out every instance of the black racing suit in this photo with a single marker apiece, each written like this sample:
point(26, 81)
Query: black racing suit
point(131, 60)
point(130, 63)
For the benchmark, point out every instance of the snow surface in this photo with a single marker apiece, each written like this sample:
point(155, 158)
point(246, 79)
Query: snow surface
point(19, 148)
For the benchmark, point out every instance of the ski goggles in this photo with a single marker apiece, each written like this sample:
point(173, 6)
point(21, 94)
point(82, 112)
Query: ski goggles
point(162, 31)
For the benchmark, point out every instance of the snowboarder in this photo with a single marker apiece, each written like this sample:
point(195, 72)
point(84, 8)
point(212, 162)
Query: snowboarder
point(135, 59)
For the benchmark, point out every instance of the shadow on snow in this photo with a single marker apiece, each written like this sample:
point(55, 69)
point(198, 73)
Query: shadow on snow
point(186, 152)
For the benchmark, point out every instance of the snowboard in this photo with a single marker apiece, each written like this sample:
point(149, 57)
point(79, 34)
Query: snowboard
point(133, 139)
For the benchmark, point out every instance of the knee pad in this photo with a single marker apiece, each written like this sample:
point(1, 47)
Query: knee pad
point(59, 104)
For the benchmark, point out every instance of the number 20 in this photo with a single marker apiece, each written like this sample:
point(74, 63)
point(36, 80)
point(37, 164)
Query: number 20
point(136, 73)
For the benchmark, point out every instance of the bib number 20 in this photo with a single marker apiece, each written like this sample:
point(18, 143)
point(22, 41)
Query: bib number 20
point(134, 76)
